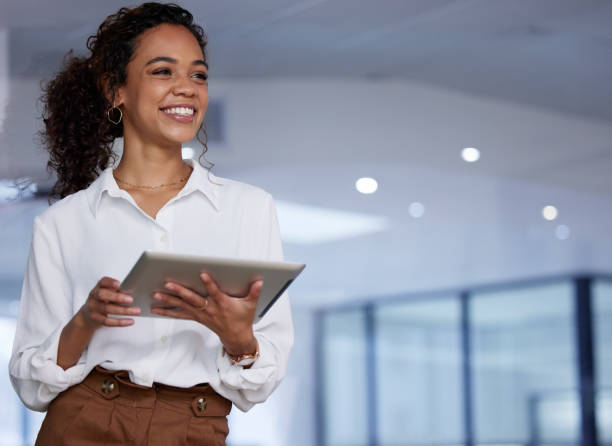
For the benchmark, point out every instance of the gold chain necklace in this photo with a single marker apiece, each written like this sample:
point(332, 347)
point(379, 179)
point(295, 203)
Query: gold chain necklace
point(159, 186)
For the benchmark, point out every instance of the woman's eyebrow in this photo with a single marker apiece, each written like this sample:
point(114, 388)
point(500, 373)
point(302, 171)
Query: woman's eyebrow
point(162, 59)
point(174, 61)
point(199, 62)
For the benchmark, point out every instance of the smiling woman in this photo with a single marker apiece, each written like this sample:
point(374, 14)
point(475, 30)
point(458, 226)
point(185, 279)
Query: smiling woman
point(105, 375)
point(162, 91)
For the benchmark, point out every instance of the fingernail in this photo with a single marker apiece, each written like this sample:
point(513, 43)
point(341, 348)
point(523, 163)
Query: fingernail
point(127, 299)
point(157, 296)
point(134, 310)
point(204, 276)
point(169, 285)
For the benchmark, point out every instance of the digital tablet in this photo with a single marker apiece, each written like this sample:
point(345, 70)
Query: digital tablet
point(233, 276)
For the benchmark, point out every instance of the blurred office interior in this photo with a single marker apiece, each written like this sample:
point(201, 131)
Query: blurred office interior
point(463, 297)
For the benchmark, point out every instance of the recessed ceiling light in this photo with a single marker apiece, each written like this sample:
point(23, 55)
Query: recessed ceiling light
point(366, 185)
point(416, 209)
point(550, 212)
point(188, 153)
point(562, 232)
point(470, 154)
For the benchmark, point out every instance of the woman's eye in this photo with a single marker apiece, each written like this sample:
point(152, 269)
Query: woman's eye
point(162, 71)
point(201, 76)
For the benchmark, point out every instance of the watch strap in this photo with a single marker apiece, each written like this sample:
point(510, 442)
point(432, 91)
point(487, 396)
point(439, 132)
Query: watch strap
point(244, 359)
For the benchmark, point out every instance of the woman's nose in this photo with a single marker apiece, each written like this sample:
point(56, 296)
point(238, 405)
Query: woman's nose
point(183, 87)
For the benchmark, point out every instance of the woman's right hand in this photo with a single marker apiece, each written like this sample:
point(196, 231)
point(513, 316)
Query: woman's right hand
point(104, 299)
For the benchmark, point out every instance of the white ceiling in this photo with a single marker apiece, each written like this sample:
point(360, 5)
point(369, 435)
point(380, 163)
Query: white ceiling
point(550, 53)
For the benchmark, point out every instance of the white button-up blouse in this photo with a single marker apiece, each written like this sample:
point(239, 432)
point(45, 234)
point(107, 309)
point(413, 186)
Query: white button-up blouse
point(100, 231)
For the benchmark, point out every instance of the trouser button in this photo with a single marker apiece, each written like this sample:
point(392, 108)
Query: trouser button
point(201, 404)
point(198, 405)
point(108, 386)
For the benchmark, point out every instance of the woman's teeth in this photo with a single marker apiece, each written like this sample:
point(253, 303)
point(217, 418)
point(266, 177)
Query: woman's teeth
point(185, 111)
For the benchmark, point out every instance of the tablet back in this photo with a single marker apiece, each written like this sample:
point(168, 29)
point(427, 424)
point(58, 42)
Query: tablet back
point(233, 276)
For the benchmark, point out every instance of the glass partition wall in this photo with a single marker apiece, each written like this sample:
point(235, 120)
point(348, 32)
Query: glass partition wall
point(602, 328)
point(418, 371)
point(345, 347)
point(520, 364)
point(523, 356)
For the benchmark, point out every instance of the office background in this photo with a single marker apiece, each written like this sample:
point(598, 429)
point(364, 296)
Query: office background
point(461, 303)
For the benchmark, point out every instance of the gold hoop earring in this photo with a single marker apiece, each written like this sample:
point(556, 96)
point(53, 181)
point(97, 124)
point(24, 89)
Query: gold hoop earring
point(108, 115)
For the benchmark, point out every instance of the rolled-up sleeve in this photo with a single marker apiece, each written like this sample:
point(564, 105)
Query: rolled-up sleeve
point(44, 310)
point(274, 332)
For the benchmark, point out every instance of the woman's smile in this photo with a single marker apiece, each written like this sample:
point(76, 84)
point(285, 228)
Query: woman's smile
point(183, 113)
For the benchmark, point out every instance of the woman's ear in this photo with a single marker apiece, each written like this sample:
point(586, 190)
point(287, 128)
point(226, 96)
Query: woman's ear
point(118, 97)
point(114, 97)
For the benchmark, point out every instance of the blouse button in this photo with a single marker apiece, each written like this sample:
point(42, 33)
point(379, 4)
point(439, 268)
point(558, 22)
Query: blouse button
point(164, 339)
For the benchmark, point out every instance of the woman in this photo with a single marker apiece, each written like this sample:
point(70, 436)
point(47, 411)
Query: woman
point(113, 380)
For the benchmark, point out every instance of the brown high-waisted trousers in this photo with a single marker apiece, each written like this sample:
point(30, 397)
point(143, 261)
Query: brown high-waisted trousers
point(107, 409)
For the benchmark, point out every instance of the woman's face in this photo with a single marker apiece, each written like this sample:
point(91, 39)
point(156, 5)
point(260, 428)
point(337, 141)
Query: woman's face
point(166, 93)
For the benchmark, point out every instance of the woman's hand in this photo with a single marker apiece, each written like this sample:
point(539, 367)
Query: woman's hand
point(231, 318)
point(104, 299)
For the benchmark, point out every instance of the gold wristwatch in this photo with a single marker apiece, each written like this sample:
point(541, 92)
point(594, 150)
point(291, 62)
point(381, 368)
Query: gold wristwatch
point(244, 360)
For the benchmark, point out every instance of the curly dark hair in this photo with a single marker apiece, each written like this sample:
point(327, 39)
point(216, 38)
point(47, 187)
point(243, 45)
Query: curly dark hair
point(77, 133)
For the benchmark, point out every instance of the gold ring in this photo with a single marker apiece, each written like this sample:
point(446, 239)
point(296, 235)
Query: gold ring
point(203, 306)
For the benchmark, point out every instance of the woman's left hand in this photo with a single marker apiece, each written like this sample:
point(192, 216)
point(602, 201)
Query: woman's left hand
point(231, 318)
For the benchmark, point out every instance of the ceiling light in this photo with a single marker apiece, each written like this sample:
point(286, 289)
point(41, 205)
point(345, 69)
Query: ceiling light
point(562, 232)
point(416, 209)
point(550, 212)
point(470, 154)
point(366, 185)
point(188, 153)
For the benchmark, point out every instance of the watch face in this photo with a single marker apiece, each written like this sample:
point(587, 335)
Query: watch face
point(246, 361)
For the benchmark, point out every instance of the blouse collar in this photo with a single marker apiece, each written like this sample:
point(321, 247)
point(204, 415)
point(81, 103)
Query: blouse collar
point(201, 179)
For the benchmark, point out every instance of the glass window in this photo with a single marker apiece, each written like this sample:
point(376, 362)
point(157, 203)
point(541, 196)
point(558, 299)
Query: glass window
point(602, 330)
point(418, 372)
point(524, 366)
point(344, 379)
